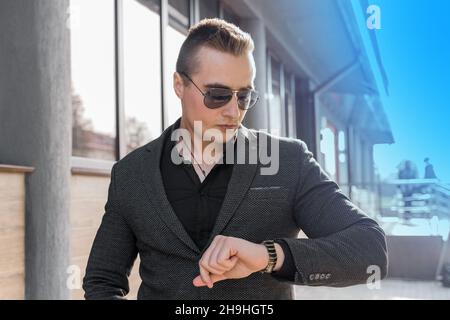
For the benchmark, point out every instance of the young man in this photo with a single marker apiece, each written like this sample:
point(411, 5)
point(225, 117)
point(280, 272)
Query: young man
point(223, 229)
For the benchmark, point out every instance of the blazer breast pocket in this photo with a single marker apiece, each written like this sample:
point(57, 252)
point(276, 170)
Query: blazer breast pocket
point(268, 193)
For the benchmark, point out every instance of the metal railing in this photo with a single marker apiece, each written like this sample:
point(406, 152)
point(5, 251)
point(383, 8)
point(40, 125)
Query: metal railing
point(415, 213)
point(402, 198)
point(419, 198)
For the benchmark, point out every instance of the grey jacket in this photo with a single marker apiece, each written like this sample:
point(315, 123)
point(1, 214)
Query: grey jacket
point(343, 242)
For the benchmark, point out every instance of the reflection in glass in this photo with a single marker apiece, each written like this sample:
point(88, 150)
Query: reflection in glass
point(179, 13)
point(175, 36)
point(209, 9)
point(328, 148)
point(142, 80)
point(230, 16)
point(93, 80)
point(275, 106)
point(182, 6)
point(289, 100)
point(174, 41)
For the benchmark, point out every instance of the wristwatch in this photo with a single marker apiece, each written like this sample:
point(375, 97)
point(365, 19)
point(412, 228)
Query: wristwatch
point(270, 246)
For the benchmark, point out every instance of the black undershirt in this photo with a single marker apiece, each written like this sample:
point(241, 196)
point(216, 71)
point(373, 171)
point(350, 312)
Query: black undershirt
point(197, 204)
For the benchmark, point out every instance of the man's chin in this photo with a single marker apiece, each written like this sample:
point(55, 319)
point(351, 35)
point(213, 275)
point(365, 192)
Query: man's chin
point(220, 134)
point(227, 134)
point(226, 128)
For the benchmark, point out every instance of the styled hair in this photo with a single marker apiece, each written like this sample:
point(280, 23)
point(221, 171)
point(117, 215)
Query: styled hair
point(215, 34)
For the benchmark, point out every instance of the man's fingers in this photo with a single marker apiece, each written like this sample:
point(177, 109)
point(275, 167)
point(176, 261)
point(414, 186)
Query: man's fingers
point(204, 261)
point(214, 262)
point(225, 260)
point(207, 266)
point(198, 282)
point(207, 260)
point(205, 277)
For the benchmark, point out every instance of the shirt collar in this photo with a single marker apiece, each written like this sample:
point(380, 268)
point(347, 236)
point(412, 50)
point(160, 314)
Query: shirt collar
point(179, 144)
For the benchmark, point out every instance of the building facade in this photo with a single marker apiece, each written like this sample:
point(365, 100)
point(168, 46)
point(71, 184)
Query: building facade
point(83, 83)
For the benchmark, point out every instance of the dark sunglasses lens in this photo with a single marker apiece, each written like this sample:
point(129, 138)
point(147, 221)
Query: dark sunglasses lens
point(247, 99)
point(217, 97)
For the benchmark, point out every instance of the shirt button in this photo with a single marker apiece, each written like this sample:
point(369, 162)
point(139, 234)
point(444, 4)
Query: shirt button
point(311, 277)
point(322, 276)
point(328, 276)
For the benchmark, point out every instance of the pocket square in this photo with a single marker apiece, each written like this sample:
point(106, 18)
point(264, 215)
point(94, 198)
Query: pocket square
point(266, 188)
point(272, 192)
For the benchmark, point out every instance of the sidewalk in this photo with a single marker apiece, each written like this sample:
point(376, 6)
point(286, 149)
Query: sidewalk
point(389, 290)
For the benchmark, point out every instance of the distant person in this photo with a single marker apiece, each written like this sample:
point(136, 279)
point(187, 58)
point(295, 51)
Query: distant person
point(407, 172)
point(429, 170)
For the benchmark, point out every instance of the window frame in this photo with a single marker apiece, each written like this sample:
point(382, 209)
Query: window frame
point(166, 13)
point(98, 165)
point(218, 11)
point(286, 80)
point(280, 80)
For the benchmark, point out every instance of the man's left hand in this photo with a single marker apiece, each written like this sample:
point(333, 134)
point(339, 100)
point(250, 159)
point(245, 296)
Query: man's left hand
point(233, 258)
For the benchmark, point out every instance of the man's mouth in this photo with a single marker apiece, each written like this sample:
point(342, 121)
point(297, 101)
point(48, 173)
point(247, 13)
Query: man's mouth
point(228, 126)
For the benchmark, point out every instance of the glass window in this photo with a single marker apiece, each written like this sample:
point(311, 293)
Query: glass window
point(289, 101)
point(175, 36)
point(142, 72)
point(230, 16)
point(93, 79)
point(275, 107)
point(179, 13)
point(209, 9)
point(328, 147)
point(182, 6)
point(174, 42)
point(341, 143)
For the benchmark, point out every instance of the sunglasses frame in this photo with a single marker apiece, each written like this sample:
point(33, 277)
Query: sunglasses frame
point(234, 92)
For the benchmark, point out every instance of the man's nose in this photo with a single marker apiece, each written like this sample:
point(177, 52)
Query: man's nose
point(231, 109)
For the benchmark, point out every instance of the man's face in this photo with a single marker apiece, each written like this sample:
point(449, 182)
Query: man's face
point(216, 69)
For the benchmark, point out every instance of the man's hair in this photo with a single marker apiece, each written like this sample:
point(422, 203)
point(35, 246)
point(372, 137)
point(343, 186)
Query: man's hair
point(215, 34)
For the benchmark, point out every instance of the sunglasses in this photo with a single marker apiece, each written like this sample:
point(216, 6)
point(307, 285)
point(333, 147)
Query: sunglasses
point(215, 98)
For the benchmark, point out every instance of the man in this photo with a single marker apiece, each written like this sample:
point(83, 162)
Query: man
point(407, 172)
point(225, 230)
point(429, 170)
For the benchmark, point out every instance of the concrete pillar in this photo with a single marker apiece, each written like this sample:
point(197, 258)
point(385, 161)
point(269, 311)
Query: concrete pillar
point(257, 118)
point(35, 130)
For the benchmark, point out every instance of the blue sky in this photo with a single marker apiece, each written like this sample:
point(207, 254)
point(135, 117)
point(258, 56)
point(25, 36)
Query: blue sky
point(415, 47)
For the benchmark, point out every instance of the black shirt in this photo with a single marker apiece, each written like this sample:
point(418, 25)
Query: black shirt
point(197, 203)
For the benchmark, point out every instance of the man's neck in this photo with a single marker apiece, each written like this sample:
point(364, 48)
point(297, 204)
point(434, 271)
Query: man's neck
point(196, 145)
point(192, 144)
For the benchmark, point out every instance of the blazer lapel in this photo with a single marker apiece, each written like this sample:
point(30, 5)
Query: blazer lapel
point(154, 185)
point(238, 186)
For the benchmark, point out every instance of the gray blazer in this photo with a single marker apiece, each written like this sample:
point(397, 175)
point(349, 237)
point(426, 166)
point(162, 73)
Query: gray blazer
point(343, 242)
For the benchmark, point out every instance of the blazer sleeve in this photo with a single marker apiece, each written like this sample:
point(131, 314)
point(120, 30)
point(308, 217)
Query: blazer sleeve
point(113, 253)
point(344, 246)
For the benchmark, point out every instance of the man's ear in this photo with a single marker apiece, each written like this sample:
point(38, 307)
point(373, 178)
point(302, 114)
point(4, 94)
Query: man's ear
point(178, 85)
